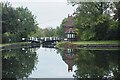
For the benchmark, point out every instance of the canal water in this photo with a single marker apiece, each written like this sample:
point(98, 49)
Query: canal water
point(41, 62)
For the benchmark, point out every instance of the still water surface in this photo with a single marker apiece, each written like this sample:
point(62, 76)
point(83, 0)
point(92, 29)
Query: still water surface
point(55, 63)
point(50, 65)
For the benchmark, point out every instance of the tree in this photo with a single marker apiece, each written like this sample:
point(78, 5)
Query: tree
point(49, 32)
point(93, 21)
point(17, 21)
point(117, 17)
point(38, 33)
point(61, 29)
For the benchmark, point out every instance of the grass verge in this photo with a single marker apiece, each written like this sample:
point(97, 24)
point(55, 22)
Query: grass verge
point(17, 43)
point(96, 42)
point(79, 43)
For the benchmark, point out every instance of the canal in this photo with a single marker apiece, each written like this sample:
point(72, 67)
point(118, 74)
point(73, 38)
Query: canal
point(41, 62)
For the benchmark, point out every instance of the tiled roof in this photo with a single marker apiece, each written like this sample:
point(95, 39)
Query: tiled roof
point(70, 30)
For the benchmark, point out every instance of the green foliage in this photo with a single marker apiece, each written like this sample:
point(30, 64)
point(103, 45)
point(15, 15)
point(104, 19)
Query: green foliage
point(46, 32)
point(95, 22)
point(101, 28)
point(62, 44)
point(38, 33)
point(49, 32)
point(61, 29)
point(87, 35)
point(18, 22)
point(9, 37)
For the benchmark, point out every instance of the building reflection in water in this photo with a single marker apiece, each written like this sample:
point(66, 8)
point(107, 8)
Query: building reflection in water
point(68, 57)
point(92, 63)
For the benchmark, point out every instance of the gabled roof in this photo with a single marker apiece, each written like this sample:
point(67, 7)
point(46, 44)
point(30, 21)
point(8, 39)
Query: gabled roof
point(70, 30)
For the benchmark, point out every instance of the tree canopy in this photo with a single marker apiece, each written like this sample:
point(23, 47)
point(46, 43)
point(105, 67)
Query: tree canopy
point(97, 20)
point(17, 23)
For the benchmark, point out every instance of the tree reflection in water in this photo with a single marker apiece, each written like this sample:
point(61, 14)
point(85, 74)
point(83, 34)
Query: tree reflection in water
point(97, 64)
point(92, 63)
point(18, 63)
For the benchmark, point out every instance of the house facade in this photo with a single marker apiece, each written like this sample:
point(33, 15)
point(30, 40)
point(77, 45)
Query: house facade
point(70, 32)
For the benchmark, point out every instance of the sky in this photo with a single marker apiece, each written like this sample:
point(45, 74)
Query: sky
point(49, 13)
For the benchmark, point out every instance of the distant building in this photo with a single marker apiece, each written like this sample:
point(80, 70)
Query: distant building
point(70, 32)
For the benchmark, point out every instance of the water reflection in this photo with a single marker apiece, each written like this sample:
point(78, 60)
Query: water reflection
point(18, 63)
point(21, 63)
point(68, 56)
point(97, 64)
point(102, 64)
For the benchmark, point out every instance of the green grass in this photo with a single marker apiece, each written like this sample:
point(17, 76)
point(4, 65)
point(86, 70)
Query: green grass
point(96, 42)
point(17, 43)
point(61, 44)
point(99, 48)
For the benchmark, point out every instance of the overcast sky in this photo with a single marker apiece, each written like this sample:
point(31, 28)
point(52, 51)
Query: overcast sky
point(49, 13)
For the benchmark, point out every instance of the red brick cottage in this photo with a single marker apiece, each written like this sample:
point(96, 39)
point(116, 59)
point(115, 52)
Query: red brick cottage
point(70, 33)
